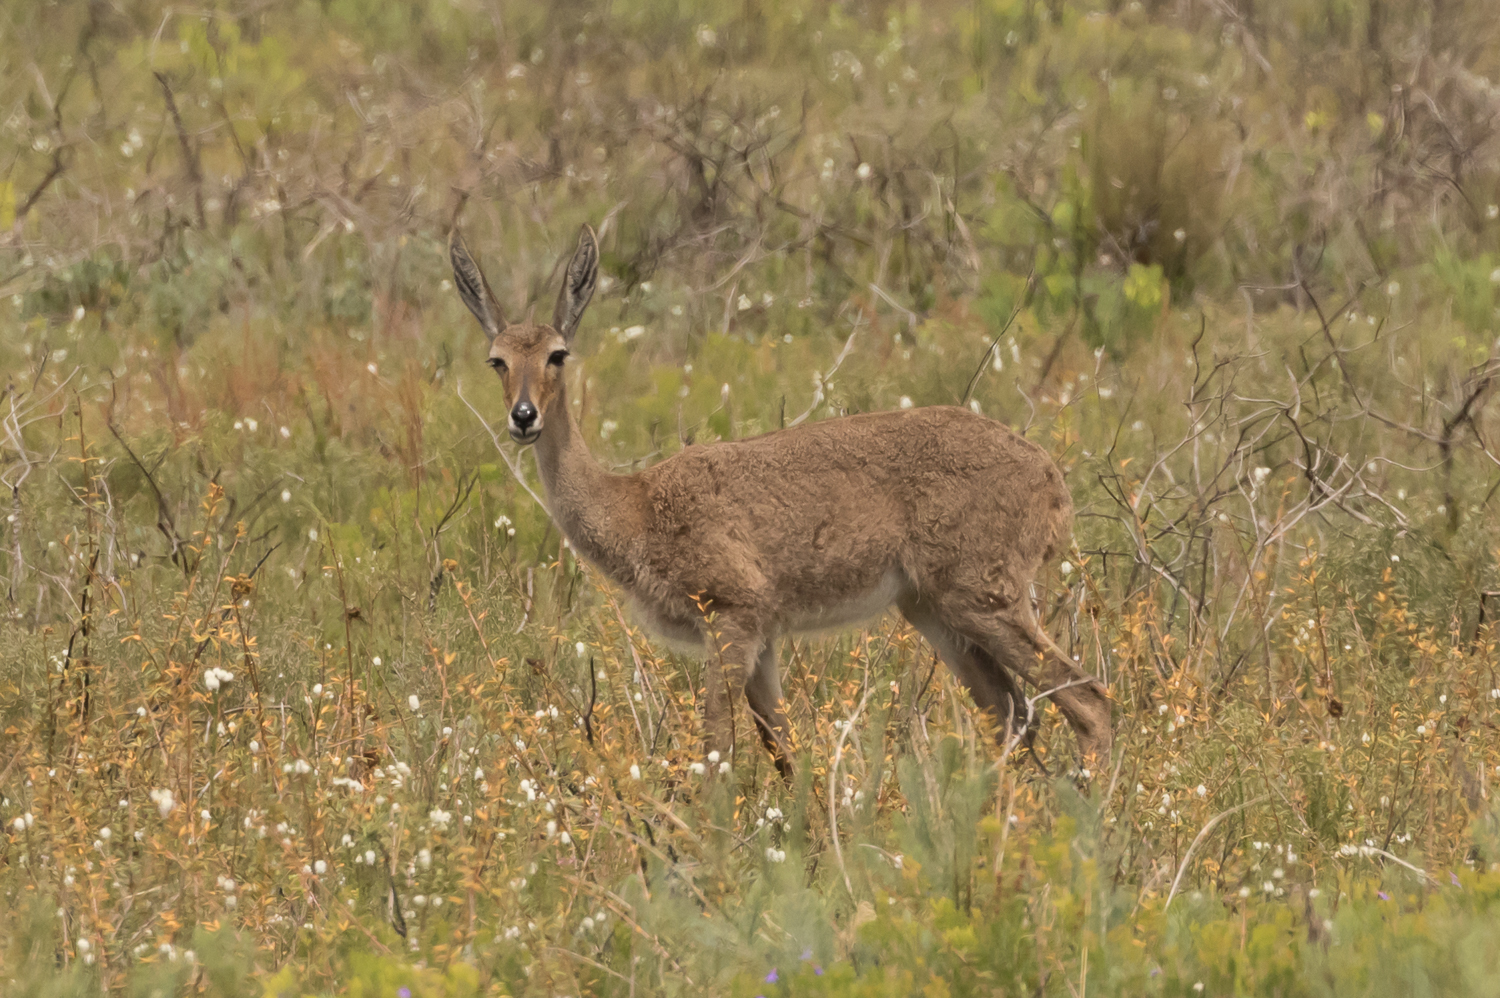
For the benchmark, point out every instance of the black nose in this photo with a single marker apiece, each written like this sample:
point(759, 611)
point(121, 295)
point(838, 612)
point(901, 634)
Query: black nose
point(523, 415)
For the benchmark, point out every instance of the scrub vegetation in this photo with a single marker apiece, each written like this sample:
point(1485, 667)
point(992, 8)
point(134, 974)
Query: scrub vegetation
point(301, 693)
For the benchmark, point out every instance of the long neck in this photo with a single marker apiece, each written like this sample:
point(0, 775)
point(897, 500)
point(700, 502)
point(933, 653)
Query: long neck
point(597, 511)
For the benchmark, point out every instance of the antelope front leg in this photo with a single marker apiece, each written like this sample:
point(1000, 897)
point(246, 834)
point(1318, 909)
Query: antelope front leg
point(731, 658)
point(763, 692)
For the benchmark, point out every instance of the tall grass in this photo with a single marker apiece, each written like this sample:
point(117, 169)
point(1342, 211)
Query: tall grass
point(301, 692)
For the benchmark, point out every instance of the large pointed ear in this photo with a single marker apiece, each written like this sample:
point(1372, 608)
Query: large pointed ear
point(473, 288)
point(578, 284)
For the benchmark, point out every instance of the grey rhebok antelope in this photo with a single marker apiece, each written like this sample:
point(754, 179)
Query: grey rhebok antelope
point(942, 512)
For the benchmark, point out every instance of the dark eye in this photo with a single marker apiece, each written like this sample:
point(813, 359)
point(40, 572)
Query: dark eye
point(497, 364)
point(557, 357)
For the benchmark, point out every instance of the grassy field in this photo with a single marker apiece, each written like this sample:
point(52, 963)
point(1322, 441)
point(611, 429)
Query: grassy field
point(301, 693)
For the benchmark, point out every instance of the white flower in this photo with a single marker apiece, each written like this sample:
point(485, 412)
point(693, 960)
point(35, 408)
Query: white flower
point(634, 332)
point(724, 767)
point(286, 495)
point(83, 945)
point(713, 756)
point(320, 867)
point(439, 817)
point(163, 800)
point(697, 769)
point(1393, 289)
point(906, 402)
point(707, 37)
point(286, 433)
point(862, 171)
point(635, 771)
point(372, 368)
point(565, 838)
point(1066, 568)
point(776, 855)
point(254, 747)
point(414, 703)
point(581, 648)
point(19, 824)
point(1180, 235)
point(742, 303)
point(211, 680)
point(1202, 791)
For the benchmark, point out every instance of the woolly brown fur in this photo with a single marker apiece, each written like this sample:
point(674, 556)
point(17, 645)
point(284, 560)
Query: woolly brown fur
point(939, 511)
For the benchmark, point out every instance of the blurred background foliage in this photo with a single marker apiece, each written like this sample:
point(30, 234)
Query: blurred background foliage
point(177, 164)
point(1234, 262)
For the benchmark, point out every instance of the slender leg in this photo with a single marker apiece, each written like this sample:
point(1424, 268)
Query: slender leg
point(1010, 643)
point(732, 655)
point(1018, 640)
point(991, 685)
point(763, 692)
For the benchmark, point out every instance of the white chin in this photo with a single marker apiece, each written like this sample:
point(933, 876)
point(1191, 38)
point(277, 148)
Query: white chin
point(524, 437)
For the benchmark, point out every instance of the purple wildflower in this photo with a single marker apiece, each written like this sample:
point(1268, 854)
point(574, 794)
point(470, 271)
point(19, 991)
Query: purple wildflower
point(1454, 877)
point(818, 971)
point(773, 977)
point(403, 993)
point(1383, 895)
point(807, 954)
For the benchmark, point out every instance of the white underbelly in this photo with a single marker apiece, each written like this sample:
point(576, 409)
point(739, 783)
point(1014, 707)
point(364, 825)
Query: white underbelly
point(679, 637)
point(688, 638)
point(850, 610)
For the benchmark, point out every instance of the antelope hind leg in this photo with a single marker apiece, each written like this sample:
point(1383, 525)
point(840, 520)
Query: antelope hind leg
point(989, 682)
point(1020, 642)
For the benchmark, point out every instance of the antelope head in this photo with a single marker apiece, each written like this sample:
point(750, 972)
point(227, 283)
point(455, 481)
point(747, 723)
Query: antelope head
point(529, 357)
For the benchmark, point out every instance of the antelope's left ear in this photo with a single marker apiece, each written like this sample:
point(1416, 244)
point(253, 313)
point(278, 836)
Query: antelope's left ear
point(578, 285)
point(473, 288)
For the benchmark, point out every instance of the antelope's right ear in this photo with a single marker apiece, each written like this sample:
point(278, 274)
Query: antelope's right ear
point(578, 284)
point(473, 288)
